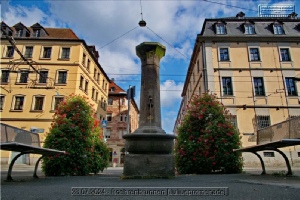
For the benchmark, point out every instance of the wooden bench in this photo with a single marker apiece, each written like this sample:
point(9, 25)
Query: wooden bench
point(10, 134)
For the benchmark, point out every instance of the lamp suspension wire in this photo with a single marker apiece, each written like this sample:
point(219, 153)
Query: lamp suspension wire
point(141, 9)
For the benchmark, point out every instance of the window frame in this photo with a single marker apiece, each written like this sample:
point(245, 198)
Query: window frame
point(9, 52)
point(86, 86)
point(219, 30)
point(55, 102)
point(288, 54)
point(247, 30)
point(6, 77)
point(224, 78)
point(30, 53)
point(250, 54)
point(109, 117)
point(259, 90)
point(34, 103)
point(58, 77)
point(2, 101)
point(62, 53)
point(41, 77)
point(277, 30)
point(45, 55)
point(295, 93)
point(20, 76)
point(221, 58)
point(261, 121)
point(21, 106)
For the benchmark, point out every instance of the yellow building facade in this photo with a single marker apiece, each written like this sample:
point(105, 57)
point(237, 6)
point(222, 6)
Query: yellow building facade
point(59, 64)
point(251, 65)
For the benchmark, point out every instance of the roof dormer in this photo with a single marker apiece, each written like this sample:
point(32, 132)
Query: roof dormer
point(38, 30)
point(277, 28)
point(220, 28)
point(248, 27)
point(6, 28)
point(21, 30)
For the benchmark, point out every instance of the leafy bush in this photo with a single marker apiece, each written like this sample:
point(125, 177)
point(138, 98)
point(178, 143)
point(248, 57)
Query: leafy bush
point(206, 139)
point(76, 131)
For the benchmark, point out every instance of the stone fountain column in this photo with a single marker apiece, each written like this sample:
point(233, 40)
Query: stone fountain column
point(149, 147)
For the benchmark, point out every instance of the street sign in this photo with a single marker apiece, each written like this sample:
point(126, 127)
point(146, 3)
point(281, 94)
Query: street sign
point(103, 123)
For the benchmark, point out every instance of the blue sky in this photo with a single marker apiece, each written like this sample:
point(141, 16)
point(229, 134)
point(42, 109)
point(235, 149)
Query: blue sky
point(173, 23)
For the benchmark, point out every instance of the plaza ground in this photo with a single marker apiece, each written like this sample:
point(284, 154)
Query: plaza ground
point(247, 185)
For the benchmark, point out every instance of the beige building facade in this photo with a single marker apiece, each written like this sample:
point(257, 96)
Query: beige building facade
point(59, 64)
point(117, 116)
point(250, 63)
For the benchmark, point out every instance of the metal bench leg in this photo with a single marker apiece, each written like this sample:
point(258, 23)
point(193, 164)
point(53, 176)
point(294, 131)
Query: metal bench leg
point(262, 163)
point(9, 178)
point(289, 173)
point(36, 166)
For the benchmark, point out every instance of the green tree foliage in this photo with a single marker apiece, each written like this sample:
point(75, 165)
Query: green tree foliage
point(76, 131)
point(206, 139)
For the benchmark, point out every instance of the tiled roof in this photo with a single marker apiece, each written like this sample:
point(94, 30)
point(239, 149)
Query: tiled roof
point(263, 27)
point(117, 90)
point(61, 33)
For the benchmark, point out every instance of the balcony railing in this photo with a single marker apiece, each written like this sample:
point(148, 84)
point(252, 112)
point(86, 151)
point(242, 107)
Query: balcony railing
point(289, 129)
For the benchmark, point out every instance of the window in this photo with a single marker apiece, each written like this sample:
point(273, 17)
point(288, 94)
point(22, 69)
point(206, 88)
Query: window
point(28, 52)
point(83, 58)
point(19, 33)
point(291, 87)
point(278, 29)
point(269, 154)
point(285, 55)
point(4, 76)
point(103, 84)
point(104, 105)
point(95, 72)
point(107, 133)
point(93, 93)
point(81, 82)
point(2, 97)
point(88, 64)
point(38, 103)
point(227, 86)
point(62, 77)
point(47, 52)
point(123, 101)
point(123, 117)
point(57, 101)
point(254, 54)
point(36, 33)
point(96, 96)
point(43, 77)
point(9, 52)
point(110, 101)
point(121, 133)
point(233, 120)
point(263, 121)
point(98, 77)
point(109, 117)
point(112, 89)
point(65, 53)
point(259, 86)
point(198, 66)
point(220, 29)
point(224, 54)
point(249, 29)
point(23, 76)
point(86, 86)
point(18, 102)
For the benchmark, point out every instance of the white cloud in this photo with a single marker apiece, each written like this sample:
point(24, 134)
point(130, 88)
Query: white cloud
point(170, 93)
point(168, 121)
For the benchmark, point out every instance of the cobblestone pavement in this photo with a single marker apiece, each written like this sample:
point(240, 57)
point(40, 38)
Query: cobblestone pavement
point(247, 185)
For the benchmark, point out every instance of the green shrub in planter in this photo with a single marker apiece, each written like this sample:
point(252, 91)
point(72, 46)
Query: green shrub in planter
point(206, 139)
point(75, 130)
